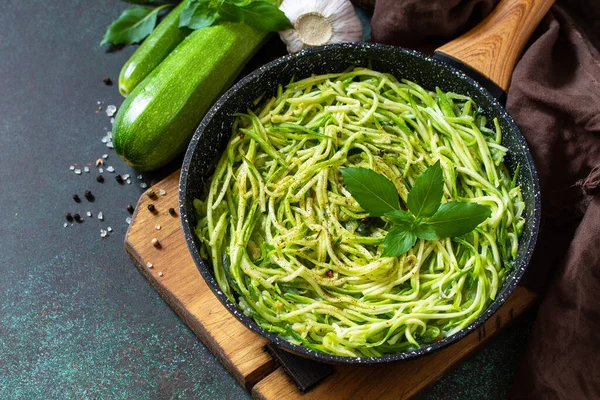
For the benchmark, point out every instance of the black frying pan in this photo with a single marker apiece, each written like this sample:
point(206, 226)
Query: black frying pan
point(493, 47)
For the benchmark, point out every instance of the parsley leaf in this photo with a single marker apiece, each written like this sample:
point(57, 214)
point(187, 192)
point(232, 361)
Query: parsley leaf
point(374, 192)
point(457, 218)
point(425, 196)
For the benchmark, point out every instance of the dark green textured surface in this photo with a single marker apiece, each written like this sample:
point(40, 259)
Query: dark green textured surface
point(76, 318)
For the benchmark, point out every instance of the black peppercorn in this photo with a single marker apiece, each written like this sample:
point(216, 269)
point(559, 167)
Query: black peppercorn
point(100, 178)
point(88, 195)
point(130, 208)
point(119, 179)
point(107, 81)
point(77, 217)
point(151, 207)
point(76, 198)
point(172, 211)
point(69, 217)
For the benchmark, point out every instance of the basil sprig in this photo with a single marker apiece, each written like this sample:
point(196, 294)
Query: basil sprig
point(137, 22)
point(426, 218)
point(259, 14)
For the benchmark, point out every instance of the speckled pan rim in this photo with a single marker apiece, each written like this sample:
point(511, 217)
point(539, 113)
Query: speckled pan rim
point(512, 281)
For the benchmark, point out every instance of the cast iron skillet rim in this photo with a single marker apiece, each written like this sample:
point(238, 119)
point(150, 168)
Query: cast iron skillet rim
point(325, 357)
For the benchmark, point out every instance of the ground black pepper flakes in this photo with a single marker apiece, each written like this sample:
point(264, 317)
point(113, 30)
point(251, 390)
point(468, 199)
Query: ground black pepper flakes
point(88, 195)
point(119, 179)
point(76, 198)
point(130, 208)
point(151, 208)
point(107, 81)
point(172, 211)
point(100, 178)
point(77, 217)
point(69, 217)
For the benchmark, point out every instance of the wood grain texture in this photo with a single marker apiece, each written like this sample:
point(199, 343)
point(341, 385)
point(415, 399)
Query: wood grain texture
point(495, 45)
point(181, 285)
point(241, 351)
point(401, 380)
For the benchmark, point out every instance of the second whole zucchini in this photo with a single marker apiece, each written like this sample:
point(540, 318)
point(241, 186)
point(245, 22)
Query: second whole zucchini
point(153, 50)
point(157, 120)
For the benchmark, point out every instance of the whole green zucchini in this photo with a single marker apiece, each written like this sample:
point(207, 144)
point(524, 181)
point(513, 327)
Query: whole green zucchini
point(157, 120)
point(153, 50)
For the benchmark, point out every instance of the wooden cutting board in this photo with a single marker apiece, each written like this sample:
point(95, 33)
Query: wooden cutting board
point(175, 276)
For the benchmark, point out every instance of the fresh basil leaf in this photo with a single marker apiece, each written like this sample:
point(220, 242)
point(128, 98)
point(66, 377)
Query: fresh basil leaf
point(401, 219)
point(425, 196)
point(258, 14)
point(198, 14)
point(374, 192)
point(132, 26)
point(457, 218)
point(397, 242)
point(424, 231)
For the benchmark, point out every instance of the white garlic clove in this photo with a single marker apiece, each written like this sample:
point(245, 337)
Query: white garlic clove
point(320, 22)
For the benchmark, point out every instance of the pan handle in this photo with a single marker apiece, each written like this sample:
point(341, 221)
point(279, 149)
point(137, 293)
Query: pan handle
point(494, 46)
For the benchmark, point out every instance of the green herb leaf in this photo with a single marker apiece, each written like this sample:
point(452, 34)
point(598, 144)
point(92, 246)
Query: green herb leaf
point(132, 26)
point(425, 196)
point(198, 14)
point(401, 218)
point(397, 242)
point(457, 218)
point(425, 231)
point(258, 14)
point(374, 192)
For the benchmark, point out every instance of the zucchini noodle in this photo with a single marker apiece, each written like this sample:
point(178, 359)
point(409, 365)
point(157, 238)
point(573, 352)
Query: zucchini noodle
point(295, 252)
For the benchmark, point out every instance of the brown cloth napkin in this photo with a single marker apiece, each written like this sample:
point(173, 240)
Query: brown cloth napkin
point(554, 98)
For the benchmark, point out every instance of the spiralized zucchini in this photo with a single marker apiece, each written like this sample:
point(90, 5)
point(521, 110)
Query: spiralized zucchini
point(292, 248)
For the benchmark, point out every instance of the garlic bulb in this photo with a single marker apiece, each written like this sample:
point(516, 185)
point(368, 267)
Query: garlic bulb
point(319, 22)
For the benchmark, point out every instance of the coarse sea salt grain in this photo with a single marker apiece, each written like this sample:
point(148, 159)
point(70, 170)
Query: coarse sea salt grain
point(65, 224)
point(149, 264)
point(162, 192)
point(86, 169)
point(143, 185)
point(111, 110)
point(72, 168)
point(129, 181)
point(160, 274)
point(112, 120)
point(100, 216)
point(101, 170)
point(110, 168)
point(125, 176)
point(105, 156)
point(103, 233)
point(140, 177)
point(89, 213)
point(128, 220)
point(78, 171)
point(157, 227)
point(109, 229)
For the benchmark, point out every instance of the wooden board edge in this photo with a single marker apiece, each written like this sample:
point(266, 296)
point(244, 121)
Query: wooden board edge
point(493, 325)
